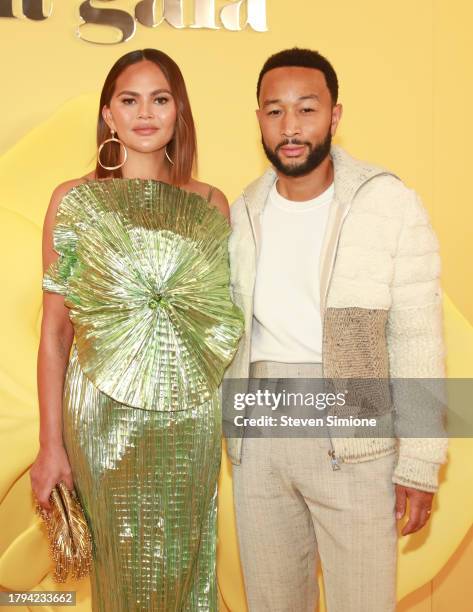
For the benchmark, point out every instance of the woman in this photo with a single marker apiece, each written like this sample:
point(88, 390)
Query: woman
point(132, 418)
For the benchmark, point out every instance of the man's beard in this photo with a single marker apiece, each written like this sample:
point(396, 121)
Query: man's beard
point(316, 156)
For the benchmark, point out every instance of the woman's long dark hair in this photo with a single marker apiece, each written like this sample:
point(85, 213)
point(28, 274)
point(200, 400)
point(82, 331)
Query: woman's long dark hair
point(182, 149)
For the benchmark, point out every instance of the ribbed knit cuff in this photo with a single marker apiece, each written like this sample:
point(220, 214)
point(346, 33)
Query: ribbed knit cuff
point(416, 473)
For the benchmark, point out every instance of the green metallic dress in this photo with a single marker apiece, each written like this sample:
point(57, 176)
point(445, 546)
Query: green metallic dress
point(143, 267)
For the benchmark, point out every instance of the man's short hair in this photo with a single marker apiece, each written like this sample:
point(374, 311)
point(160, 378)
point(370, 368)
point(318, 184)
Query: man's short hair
point(304, 58)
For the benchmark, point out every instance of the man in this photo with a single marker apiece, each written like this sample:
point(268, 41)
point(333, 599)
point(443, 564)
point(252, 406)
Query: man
point(336, 268)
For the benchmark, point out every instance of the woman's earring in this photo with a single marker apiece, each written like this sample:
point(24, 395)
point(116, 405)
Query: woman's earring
point(167, 155)
point(112, 139)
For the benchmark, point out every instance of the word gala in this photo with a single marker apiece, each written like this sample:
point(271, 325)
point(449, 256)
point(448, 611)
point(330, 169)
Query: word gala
point(233, 16)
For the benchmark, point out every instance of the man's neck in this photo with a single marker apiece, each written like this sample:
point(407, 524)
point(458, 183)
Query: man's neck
point(309, 186)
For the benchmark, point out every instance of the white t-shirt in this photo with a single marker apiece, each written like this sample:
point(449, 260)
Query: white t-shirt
point(287, 325)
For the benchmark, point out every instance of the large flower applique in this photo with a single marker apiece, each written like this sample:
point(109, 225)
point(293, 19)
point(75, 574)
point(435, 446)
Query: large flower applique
point(144, 270)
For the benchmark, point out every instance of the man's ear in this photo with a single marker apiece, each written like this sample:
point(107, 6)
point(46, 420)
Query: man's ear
point(337, 112)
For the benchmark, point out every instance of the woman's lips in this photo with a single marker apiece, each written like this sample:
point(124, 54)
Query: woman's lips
point(145, 131)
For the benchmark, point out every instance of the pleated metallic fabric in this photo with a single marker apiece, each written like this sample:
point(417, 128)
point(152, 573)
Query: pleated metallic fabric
point(143, 267)
point(147, 481)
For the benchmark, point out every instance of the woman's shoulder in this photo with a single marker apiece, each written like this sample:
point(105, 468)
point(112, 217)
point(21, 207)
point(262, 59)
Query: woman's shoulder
point(59, 192)
point(63, 188)
point(210, 193)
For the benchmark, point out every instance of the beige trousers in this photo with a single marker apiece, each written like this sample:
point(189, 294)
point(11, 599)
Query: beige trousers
point(292, 509)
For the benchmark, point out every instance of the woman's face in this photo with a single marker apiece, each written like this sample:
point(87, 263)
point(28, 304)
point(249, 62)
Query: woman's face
point(142, 110)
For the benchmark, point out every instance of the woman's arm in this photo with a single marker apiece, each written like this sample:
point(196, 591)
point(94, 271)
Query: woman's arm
point(53, 356)
point(51, 465)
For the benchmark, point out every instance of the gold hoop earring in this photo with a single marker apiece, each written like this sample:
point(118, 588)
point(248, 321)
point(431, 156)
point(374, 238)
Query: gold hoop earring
point(167, 155)
point(112, 139)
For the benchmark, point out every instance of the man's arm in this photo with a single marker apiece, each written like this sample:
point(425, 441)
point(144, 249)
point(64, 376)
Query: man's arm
point(416, 350)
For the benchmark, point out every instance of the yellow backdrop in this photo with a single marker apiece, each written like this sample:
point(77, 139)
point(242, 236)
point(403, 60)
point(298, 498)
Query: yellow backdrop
point(403, 70)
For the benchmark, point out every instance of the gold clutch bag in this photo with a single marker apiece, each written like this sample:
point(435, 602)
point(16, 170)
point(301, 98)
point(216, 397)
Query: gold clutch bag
point(70, 541)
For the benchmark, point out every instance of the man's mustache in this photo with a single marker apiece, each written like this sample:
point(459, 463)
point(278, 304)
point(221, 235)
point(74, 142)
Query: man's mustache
point(291, 141)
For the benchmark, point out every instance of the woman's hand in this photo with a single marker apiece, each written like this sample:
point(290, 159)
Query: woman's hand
point(50, 467)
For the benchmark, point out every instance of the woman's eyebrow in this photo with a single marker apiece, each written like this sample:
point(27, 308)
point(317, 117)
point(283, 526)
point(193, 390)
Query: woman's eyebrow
point(135, 93)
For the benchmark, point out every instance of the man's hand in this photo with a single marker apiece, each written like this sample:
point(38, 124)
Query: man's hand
point(420, 507)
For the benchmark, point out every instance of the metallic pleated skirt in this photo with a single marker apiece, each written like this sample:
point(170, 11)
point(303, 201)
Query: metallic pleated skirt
point(147, 481)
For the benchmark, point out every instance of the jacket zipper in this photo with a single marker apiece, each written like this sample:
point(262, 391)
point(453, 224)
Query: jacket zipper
point(256, 255)
point(251, 225)
point(334, 460)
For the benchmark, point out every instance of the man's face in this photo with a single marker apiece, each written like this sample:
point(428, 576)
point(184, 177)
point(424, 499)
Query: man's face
point(297, 119)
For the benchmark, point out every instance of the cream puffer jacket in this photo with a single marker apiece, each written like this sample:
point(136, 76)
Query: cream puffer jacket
point(381, 303)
